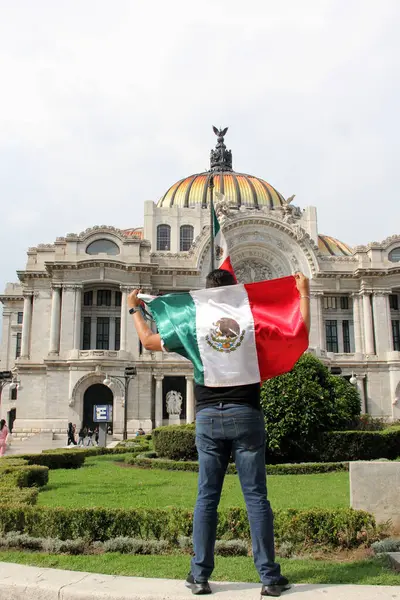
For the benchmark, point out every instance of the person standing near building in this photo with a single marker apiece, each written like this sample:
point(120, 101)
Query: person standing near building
point(90, 436)
point(81, 436)
point(71, 435)
point(3, 437)
point(229, 420)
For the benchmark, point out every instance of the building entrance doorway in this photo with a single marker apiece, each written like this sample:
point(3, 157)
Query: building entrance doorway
point(95, 394)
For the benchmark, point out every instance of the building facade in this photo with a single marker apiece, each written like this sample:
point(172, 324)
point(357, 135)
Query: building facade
point(66, 324)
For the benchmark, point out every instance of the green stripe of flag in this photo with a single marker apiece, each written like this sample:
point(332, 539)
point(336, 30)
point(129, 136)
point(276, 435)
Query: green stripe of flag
point(175, 317)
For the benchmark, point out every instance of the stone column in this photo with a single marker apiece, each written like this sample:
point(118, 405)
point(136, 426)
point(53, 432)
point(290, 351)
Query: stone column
point(383, 326)
point(124, 314)
point(55, 320)
point(368, 325)
point(159, 400)
point(321, 322)
point(67, 318)
point(78, 313)
point(189, 399)
point(357, 324)
point(7, 355)
point(26, 325)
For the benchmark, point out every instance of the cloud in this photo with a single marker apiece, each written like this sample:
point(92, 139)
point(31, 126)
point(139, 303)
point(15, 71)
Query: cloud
point(105, 104)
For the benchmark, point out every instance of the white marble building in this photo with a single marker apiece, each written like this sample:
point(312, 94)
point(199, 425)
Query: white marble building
point(65, 323)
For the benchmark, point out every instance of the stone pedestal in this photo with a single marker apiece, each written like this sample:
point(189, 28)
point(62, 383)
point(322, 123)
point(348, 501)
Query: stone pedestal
point(374, 487)
point(174, 420)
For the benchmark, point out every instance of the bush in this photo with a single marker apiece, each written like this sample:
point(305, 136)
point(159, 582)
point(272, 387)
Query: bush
point(299, 405)
point(16, 496)
point(148, 462)
point(231, 548)
point(389, 545)
point(361, 445)
point(127, 545)
point(368, 423)
point(24, 476)
point(176, 442)
point(342, 528)
point(55, 546)
point(55, 459)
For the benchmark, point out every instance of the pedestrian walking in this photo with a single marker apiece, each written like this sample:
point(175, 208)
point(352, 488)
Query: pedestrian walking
point(234, 345)
point(81, 436)
point(3, 437)
point(70, 435)
point(96, 436)
point(90, 437)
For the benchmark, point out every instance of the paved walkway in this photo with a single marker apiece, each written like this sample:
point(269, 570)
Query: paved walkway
point(18, 582)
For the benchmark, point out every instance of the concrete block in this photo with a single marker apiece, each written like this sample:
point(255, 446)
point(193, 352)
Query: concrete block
point(374, 487)
point(395, 560)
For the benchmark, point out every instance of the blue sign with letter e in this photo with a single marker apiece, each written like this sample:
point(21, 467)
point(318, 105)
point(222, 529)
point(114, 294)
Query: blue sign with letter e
point(102, 413)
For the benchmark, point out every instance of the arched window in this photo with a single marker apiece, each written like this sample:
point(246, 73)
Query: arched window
point(186, 238)
point(103, 247)
point(163, 237)
point(394, 255)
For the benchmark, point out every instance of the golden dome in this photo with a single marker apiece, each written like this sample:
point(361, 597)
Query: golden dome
point(239, 189)
point(329, 246)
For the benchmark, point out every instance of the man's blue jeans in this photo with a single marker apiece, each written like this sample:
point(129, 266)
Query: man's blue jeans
point(220, 431)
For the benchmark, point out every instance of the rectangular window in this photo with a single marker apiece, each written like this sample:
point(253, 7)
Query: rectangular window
point(88, 298)
point(103, 297)
point(20, 317)
point(87, 333)
point(394, 301)
point(396, 335)
point(330, 302)
point(118, 298)
point(331, 336)
point(344, 302)
point(14, 393)
point(18, 345)
point(346, 336)
point(103, 333)
point(117, 339)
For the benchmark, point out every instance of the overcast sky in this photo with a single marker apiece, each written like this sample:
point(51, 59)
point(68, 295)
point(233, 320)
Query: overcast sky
point(105, 104)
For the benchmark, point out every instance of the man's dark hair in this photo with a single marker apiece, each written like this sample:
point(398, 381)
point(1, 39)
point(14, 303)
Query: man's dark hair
point(218, 278)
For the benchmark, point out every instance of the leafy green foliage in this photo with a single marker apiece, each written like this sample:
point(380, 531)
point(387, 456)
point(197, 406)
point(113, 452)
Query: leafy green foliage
point(342, 528)
point(176, 442)
point(361, 445)
point(300, 405)
point(150, 462)
point(55, 459)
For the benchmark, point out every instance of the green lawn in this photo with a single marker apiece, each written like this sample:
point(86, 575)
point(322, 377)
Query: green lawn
point(101, 482)
point(372, 572)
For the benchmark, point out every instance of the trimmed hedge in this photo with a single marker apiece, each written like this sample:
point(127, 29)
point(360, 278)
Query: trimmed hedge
point(24, 476)
point(88, 452)
point(343, 528)
point(361, 445)
point(54, 459)
point(295, 469)
point(178, 443)
point(15, 496)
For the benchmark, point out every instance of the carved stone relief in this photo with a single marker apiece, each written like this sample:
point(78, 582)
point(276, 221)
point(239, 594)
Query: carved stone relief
point(249, 271)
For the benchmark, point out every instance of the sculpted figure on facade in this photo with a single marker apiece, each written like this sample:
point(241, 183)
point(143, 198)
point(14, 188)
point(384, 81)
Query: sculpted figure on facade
point(174, 402)
point(250, 271)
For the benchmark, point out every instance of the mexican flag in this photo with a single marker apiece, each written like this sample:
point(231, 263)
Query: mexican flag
point(222, 258)
point(234, 335)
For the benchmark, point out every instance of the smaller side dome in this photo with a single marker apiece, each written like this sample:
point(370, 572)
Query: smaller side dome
point(330, 246)
point(135, 232)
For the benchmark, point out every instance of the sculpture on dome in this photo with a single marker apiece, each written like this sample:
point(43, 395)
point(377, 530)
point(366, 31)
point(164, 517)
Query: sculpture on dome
point(220, 158)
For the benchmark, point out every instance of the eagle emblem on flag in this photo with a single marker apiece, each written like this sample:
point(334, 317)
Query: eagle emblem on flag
point(226, 335)
point(219, 252)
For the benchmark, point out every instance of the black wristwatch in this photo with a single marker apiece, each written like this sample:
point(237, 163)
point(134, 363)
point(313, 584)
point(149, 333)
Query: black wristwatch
point(134, 309)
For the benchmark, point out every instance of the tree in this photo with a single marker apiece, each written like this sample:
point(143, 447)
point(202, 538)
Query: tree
point(302, 404)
